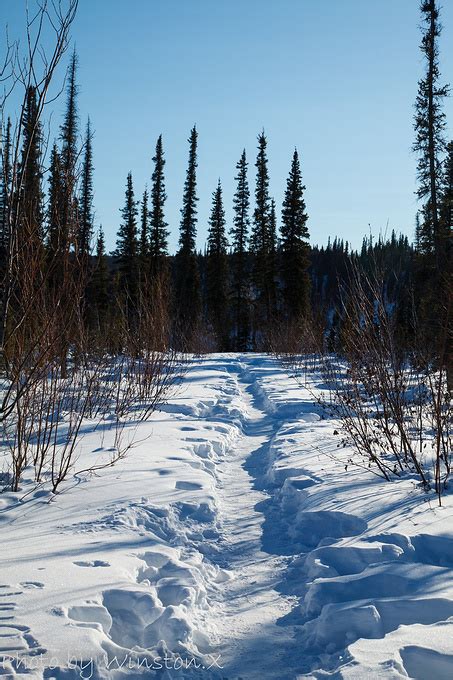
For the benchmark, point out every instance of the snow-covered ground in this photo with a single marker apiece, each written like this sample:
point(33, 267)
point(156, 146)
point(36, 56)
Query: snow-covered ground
point(232, 542)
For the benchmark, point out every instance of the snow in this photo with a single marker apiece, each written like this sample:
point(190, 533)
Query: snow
point(232, 536)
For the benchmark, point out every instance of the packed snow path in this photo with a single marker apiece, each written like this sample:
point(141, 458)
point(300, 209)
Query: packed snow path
point(245, 618)
point(234, 534)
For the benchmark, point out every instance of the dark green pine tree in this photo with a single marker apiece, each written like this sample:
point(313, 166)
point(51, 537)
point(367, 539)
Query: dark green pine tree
point(68, 156)
point(430, 124)
point(240, 234)
point(431, 284)
point(217, 271)
point(187, 276)
point(85, 221)
point(127, 250)
point(158, 225)
point(262, 241)
point(295, 249)
point(188, 230)
point(30, 227)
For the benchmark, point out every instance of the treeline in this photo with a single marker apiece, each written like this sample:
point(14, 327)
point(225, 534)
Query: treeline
point(253, 283)
point(230, 296)
point(227, 298)
point(257, 279)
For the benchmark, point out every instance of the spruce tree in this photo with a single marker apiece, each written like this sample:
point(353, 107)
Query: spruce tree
point(294, 246)
point(262, 239)
point(187, 293)
point(30, 178)
point(430, 122)
point(240, 234)
point(260, 233)
point(127, 249)
point(433, 285)
point(217, 271)
point(69, 128)
point(188, 230)
point(68, 156)
point(158, 225)
point(85, 221)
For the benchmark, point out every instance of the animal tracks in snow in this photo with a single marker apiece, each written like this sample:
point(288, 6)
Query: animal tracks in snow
point(17, 644)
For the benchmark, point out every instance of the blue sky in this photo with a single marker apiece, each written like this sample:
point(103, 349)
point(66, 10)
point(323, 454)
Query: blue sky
point(336, 78)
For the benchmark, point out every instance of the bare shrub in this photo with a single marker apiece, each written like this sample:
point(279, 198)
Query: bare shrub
point(390, 396)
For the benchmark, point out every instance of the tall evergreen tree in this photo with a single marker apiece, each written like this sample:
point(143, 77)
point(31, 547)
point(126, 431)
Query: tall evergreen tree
point(240, 234)
point(68, 156)
point(217, 270)
point(158, 225)
point(260, 232)
point(85, 221)
point(127, 247)
point(188, 296)
point(64, 278)
point(188, 230)
point(294, 246)
point(262, 239)
point(30, 177)
point(69, 129)
point(430, 121)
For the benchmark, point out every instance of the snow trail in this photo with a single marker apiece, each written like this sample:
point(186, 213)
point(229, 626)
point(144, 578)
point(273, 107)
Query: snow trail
point(244, 619)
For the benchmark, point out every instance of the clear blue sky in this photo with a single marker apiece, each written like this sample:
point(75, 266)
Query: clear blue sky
point(336, 78)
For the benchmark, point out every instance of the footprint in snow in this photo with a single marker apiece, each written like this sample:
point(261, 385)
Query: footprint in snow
point(15, 639)
point(32, 584)
point(92, 563)
point(188, 486)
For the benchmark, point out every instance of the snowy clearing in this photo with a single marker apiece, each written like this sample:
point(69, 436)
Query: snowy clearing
point(233, 539)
